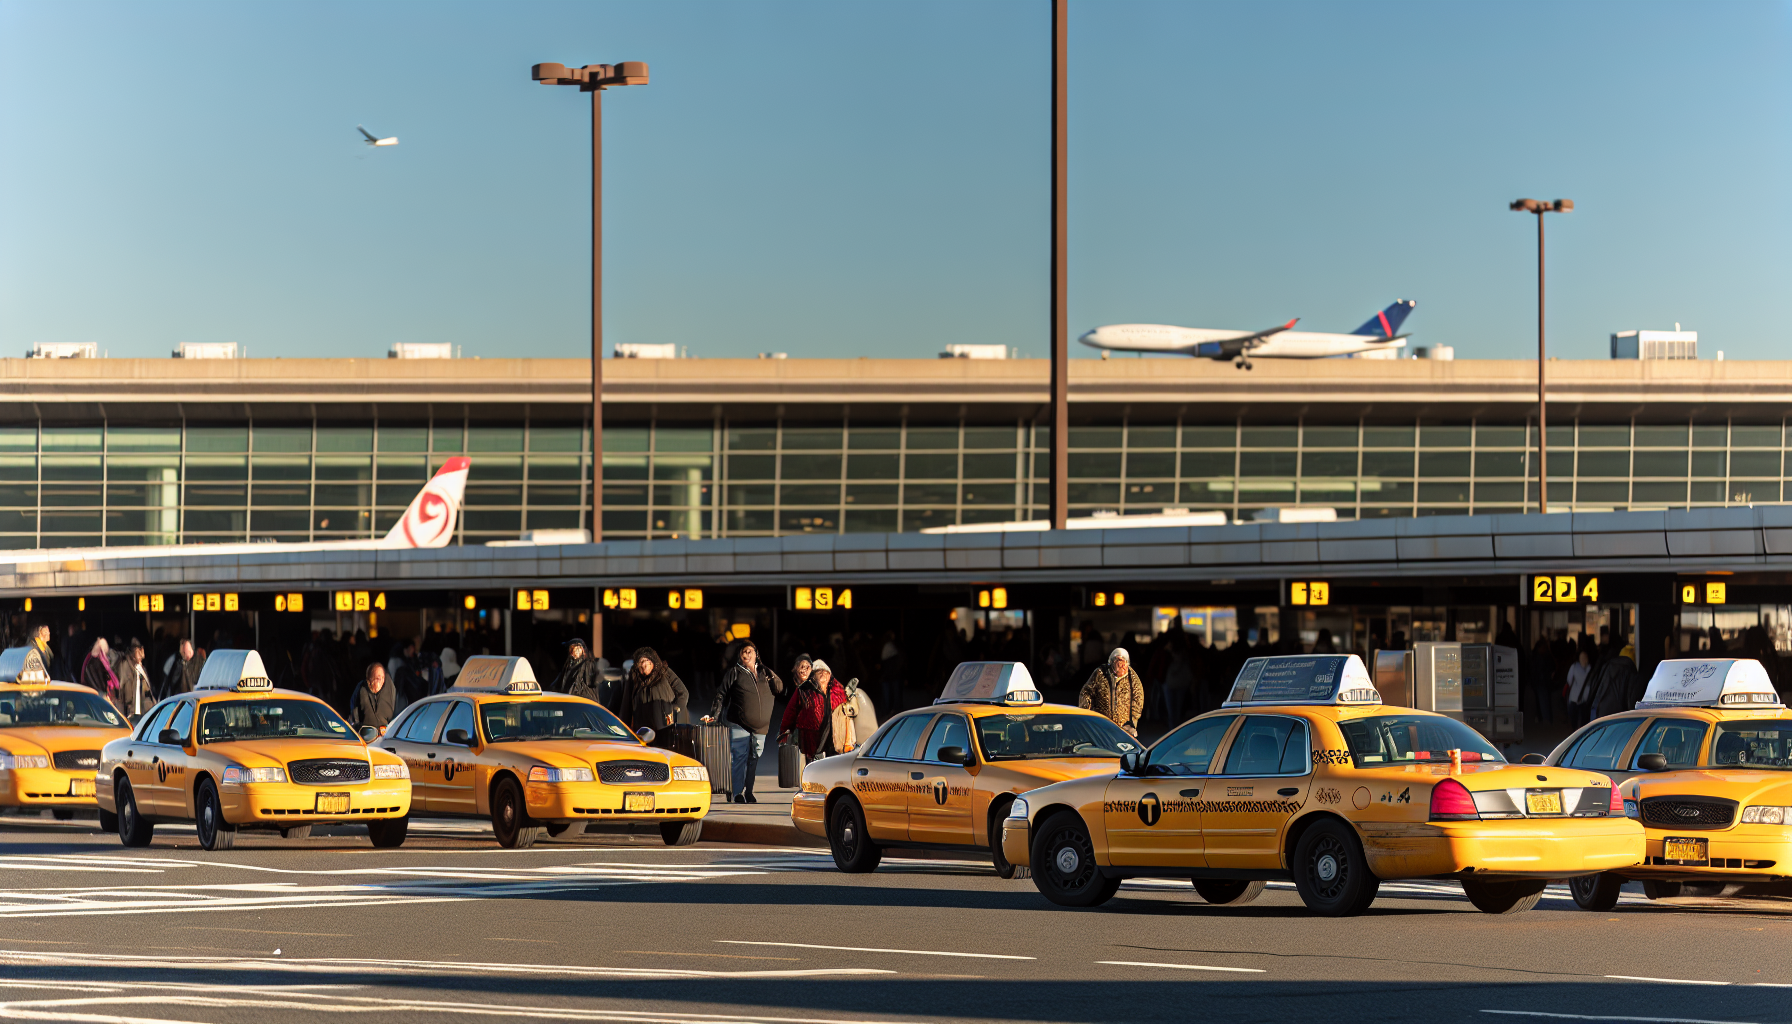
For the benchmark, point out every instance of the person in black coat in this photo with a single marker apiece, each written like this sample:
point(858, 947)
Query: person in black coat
point(581, 676)
point(746, 693)
point(652, 694)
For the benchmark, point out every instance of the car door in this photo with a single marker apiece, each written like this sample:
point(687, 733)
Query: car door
point(1269, 764)
point(1603, 748)
point(169, 797)
point(881, 776)
point(453, 783)
point(939, 811)
point(414, 741)
point(143, 755)
point(1154, 819)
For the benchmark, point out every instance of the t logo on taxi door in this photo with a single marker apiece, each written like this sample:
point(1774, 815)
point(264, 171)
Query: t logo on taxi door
point(1150, 810)
point(939, 792)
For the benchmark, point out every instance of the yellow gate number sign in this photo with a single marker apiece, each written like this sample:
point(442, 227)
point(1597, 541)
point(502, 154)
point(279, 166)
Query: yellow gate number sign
point(1564, 589)
point(1715, 593)
point(214, 602)
point(623, 598)
point(820, 599)
point(1310, 592)
point(531, 600)
point(360, 601)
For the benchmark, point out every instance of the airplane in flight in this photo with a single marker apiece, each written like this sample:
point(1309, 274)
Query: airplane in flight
point(1379, 332)
point(374, 140)
point(427, 523)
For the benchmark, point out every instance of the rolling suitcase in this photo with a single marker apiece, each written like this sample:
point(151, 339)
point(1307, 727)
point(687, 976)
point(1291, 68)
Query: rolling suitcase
point(708, 744)
point(790, 766)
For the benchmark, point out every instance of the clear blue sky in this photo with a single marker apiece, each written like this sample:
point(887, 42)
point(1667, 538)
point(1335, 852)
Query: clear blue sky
point(870, 178)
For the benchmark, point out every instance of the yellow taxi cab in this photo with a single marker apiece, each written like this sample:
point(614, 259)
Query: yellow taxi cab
point(1304, 774)
point(495, 746)
point(1704, 762)
point(236, 754)
point(944, 777)
point(50, 736)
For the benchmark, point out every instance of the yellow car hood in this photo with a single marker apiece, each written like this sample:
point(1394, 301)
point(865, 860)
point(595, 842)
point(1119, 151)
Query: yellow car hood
point(580, 753)
point(51, 738)
point(1741, 785)
point(278, 753)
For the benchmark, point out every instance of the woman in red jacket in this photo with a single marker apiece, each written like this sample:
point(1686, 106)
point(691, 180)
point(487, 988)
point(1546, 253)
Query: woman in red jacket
point(810, 714)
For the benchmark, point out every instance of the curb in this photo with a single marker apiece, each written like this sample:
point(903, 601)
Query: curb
point(759, 833)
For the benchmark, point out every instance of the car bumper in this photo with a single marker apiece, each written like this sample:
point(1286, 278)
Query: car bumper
point(46, 787)
point(1527, 848)
point(584, 801)
point(288, 804)
point(809, 813)
point(1017, 847)
point(1741, 853)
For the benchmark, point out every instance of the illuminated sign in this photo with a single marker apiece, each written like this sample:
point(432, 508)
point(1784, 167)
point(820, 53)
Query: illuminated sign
point(623, 598)
point(1703, 593)
point(1102, 598)
point(289, 602)
point(693, 599)
point(820, 599)
point(1565, 589)
point(214, 602)
point(531, 600)
point(470, 602)
point(145, 603)
point(1309, 592)
point(360, 601)
point(995, 597)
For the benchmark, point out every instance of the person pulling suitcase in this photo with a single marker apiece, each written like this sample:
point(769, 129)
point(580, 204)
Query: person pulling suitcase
point(808, 720)
point(743, 702)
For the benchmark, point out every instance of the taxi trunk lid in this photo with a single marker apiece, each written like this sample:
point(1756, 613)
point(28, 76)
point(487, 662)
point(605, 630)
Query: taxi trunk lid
point(1535, 791)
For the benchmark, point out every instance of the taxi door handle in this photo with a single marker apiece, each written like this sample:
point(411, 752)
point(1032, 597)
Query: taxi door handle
point(917, 775)
point(864, 771)
point(432, 756)
point(1191, 793)
point(1290, 791)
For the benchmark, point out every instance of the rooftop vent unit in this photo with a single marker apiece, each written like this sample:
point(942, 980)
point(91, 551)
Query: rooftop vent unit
point(1295, 514)
point(64, 350)
point(646, 351)
point(206, 350)
point(976, 352)
point(1438, 353)
point(1674, 344)
point(421, 350)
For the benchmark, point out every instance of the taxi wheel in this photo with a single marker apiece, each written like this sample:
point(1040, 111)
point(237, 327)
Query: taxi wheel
point(1596, 892)
point(132, 829)
point(1513, 897)
point(998, 814)
point(1228, 892)
point(510, 822)
point(567, 830)
point(681, 833)
point(388, 832)
point(1661, 890)
point(1330, 872)
point(214, 832)
point(1064, 868)
point(851, 844)
point(108, 821)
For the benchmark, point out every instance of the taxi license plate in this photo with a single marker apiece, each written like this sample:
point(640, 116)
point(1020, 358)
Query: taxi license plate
point(1685, 849)
point(1543, 803)
point(80, 787)
point(332, 803)
point(637, 801)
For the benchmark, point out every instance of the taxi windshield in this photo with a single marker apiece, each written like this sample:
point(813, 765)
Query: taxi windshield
point(1413, 739)
point(226, 720)
point(58, 707)
point(1765, 744)
point(1020, 737)
point(512, 721)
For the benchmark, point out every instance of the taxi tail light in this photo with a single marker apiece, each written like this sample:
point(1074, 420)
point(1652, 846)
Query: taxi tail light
point(1451, 801)
point(1617, 803)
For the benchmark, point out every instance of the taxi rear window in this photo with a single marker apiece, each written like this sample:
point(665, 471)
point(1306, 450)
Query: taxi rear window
point(1413, 739)
point(1753, 745)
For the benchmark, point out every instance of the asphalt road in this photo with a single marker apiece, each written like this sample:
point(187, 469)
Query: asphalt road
point(451, 928)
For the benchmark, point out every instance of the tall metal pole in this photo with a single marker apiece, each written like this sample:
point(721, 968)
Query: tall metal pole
point(1060, 482)
point(1542, 415)
point(597, 349)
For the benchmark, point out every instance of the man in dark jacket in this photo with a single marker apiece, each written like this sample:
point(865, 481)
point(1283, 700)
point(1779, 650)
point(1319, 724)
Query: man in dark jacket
point(188, 663)
point(746, 692)
point(581, 676)
point(374, 702)
point(1620, 685)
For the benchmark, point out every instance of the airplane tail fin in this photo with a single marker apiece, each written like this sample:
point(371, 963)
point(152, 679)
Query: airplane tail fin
point(429, 522)
point(1386, 324)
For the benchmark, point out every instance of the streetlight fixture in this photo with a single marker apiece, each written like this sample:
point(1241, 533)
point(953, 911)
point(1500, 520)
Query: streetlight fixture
point(594, 79)
point(1541, 207)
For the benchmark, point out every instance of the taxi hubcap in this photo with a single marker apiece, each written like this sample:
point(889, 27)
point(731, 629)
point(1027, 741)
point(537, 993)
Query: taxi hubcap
point(1068, 861)
point(1327, 868)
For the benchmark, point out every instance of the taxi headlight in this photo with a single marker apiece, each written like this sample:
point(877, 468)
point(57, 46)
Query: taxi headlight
point(695, 773)
point(10, 761)
point(391, 771)
point(1766, 815)
point(1019, 808)
point(541, 774)
point(237, 775)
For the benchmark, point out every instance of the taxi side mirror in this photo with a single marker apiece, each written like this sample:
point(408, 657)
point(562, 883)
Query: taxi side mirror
point(369, 733)
point(1133, 762)
point(1652, 762)
point(956, 755)
point(1533, 759)
point(646, 735)
point(169, 737)
point(458, 737)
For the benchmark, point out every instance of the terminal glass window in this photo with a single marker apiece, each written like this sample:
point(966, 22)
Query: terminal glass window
point(1020, 737)
point(1764, 744)
point(1413, 739)
point(1190, 749)
point(1677, 739)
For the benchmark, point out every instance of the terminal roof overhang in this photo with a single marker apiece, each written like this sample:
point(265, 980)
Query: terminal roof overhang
point(1733, 540)
point(88, 390)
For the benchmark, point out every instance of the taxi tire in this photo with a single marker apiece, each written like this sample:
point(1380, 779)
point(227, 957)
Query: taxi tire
point(567, 830)
point(1062, 833)
point(1350, 887)
point(108, 821)
point(1661, 890)
point(998, 813)
point(510, 817)
point(850, 841)
point(132, 829)
point(1228, 892)
point(1511, 897)
point(1596, 892)
point(208, 818)
point(389, 833)
point(681, 833)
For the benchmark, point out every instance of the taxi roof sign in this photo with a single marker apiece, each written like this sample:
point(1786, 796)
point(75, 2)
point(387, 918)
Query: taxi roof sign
point(492, 674)
point(1710, 682)
point(991, 682)
point(1303, 679)
point(234, 670)
point(23, 665)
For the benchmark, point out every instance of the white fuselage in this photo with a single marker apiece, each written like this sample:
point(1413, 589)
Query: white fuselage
point(1211, 343)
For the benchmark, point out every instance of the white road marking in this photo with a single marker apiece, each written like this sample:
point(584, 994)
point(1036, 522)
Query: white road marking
point(1664, 981)
point(1602, 1016)
point(1183, 967)
point(874, 949)
point(367, 965)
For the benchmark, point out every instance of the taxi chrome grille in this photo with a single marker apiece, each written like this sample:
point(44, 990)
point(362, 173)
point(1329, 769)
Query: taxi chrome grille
point(633, 773)
point(324, 771)
point(77, 760)
point(1688, 812)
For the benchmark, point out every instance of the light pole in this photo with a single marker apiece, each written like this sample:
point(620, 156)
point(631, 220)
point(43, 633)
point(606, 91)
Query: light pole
point(1060, 484)
point(594, 79)
point(1541, 207)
